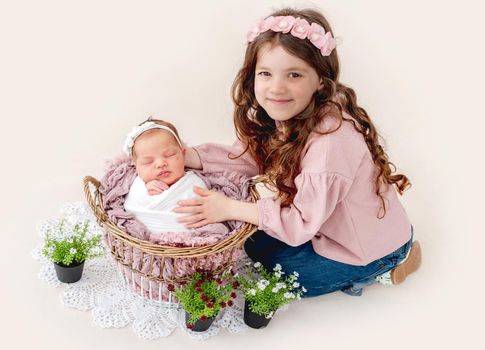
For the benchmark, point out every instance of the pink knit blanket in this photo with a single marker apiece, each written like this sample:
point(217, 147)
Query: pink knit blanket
point(115, 185)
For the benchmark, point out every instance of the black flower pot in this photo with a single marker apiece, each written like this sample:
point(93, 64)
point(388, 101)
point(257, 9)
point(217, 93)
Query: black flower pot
point(199, 325)
point(69, 274)
point(254, 320)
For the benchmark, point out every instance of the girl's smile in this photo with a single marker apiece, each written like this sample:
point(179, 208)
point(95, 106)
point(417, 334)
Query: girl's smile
point(278, 102)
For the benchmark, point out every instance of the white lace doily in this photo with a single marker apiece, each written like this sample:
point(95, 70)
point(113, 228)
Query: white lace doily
point(113, 305)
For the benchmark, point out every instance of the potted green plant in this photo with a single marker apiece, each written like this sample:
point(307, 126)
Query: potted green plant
point(68, 247)
point(204, 296)
point(265, 292)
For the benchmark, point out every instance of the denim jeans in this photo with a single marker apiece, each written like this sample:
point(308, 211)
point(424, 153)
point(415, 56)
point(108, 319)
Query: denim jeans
point(318, 274)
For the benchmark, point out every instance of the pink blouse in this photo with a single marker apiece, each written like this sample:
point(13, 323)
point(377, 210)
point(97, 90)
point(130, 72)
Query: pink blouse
point(335, 205)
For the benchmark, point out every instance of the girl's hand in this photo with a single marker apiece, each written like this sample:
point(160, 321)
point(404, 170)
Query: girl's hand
point(208, 208)
point(156, 187)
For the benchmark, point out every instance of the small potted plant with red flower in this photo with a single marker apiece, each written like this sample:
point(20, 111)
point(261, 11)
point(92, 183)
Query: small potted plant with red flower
point(204, 296)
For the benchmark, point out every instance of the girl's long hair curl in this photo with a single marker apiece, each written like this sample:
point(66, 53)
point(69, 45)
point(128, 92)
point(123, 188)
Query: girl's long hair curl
point(280, 157)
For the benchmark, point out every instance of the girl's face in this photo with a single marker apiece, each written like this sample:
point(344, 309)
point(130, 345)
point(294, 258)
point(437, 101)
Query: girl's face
point(158, 156)
point(284, 84)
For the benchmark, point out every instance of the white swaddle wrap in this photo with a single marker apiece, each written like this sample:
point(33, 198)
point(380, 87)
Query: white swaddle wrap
point(155, 212)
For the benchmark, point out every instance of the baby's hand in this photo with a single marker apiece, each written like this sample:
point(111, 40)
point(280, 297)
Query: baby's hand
point(156, 187)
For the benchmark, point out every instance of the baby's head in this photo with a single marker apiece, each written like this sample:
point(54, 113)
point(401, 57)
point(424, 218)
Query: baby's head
point(157, 151)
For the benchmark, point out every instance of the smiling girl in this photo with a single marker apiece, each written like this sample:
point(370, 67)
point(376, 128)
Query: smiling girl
point(336, 218)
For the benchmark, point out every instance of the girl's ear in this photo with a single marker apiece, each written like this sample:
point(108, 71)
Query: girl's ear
point(184, 151)
point(321, 84)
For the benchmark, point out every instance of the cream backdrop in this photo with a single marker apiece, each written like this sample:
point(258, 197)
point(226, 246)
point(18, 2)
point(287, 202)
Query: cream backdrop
point(75, 76)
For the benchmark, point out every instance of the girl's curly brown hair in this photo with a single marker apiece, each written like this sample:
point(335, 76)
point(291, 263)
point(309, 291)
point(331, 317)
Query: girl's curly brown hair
point(280, 157)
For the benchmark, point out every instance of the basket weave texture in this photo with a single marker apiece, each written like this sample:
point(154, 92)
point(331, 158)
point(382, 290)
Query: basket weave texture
point(150, 269)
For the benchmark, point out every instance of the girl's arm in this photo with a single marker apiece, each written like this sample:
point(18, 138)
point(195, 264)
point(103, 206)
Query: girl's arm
point(212, 207)
point(192, 159)
point(318, 193)
point(212, 157)
point(316, 198)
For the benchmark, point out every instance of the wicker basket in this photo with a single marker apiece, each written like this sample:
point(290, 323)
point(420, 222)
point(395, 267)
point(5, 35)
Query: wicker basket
point(149, 268)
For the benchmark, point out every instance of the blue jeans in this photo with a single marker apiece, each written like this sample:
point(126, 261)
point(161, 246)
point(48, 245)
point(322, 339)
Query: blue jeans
point(318, 274)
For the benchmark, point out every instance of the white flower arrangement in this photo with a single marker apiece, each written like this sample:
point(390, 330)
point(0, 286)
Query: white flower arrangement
point(71, 242)
point(266, 292)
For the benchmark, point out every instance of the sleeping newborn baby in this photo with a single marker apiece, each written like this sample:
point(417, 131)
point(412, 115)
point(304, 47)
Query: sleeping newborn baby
point(161, 180)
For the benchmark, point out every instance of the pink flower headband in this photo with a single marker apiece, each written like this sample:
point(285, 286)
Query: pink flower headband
point(298, 27)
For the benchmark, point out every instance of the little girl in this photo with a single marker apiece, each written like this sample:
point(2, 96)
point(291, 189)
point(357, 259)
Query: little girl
point(161, 179)
point(336, 219)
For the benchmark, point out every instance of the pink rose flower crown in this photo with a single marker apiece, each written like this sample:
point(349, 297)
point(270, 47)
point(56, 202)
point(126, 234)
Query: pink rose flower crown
point(299, 28)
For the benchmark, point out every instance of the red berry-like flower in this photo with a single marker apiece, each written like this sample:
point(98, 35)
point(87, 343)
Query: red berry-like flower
point(199, 270)
point(171, 287)
point(222, 304)
point(203, 317)
point(204, 298)
point(219, 281)
point(230, 303)
point(210, 305)
point(235, 284)
point(190, 326)
point(199, 290)
point(233, 295)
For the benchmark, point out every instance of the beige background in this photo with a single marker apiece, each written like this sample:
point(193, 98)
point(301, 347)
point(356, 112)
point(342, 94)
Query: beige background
point(75, 76)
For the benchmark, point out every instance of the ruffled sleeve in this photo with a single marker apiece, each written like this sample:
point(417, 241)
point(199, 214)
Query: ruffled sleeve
point(317, 196)
point(215, 158)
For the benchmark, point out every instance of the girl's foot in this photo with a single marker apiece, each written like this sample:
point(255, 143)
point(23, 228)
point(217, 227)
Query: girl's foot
point(408, 266)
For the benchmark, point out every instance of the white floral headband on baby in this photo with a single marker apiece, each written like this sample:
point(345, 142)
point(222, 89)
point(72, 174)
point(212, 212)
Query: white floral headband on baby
point(140, 129)
point(299, 28)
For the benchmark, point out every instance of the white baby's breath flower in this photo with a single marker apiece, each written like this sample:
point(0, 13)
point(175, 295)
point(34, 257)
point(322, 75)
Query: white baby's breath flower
point(257, 264)
point(261, 286)
point(50, 250)
point(295, 284)
point(265, 282)
point(277, 274)
point(280, 285)
point(275, 290)
point(252, 292)
point(303, 289)
point(72, 251)
point(296, 274)
point(270, 314)
point(97, 250)
point(277, 267)
point(289, 295)
point(298, 297)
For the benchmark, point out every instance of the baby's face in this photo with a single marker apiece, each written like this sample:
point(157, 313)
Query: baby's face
point(158, 156)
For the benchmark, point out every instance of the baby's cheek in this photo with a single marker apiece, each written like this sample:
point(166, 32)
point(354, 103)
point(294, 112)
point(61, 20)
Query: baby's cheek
point(145, 175)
